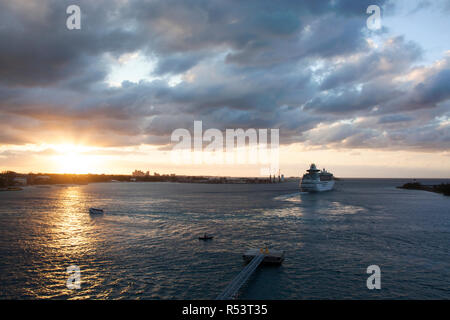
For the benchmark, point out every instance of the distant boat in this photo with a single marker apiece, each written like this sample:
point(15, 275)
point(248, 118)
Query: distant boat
point(205, 237)
point(316, 180)
point(95, 211)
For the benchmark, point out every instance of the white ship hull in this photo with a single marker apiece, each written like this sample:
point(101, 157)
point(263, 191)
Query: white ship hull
point(316, 185)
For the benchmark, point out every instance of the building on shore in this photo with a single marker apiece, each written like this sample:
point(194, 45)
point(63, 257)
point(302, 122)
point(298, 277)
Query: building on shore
point(138, 173)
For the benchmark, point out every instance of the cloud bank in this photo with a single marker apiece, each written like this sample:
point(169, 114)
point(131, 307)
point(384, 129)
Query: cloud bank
point(310, 68)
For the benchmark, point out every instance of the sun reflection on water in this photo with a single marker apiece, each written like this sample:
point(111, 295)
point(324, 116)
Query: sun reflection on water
point(71, 240)
point(71, 227)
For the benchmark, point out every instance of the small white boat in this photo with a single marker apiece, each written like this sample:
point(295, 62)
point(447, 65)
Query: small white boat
point(95, 211)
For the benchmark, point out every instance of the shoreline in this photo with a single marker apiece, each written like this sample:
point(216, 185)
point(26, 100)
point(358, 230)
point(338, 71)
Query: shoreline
point(443, 188)
point(13, 179)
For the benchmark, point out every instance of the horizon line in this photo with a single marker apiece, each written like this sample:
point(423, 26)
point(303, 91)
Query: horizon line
point(190, 175)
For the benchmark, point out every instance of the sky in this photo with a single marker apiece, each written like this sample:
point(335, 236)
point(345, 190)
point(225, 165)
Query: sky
point(106, 98)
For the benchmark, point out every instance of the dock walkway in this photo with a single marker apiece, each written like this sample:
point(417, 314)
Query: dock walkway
point(233, 287)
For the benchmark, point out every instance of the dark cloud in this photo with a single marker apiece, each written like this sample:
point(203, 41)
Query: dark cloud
point(353, 99)
point(435, 89)
point(177, 63)
point(36, 48)
point(395, 57)
point(394, 118)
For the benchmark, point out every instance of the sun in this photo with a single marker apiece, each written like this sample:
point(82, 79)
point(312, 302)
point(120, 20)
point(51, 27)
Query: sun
point(75, 159)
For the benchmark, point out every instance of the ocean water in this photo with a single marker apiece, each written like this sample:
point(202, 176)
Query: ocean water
point(146, 244)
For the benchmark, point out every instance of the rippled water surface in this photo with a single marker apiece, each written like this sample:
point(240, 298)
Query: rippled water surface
point(145, 246)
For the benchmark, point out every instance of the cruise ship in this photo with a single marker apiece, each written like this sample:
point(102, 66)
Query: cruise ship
point(316, 180)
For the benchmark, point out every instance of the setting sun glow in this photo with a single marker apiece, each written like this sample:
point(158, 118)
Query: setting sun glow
point(75, 159)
